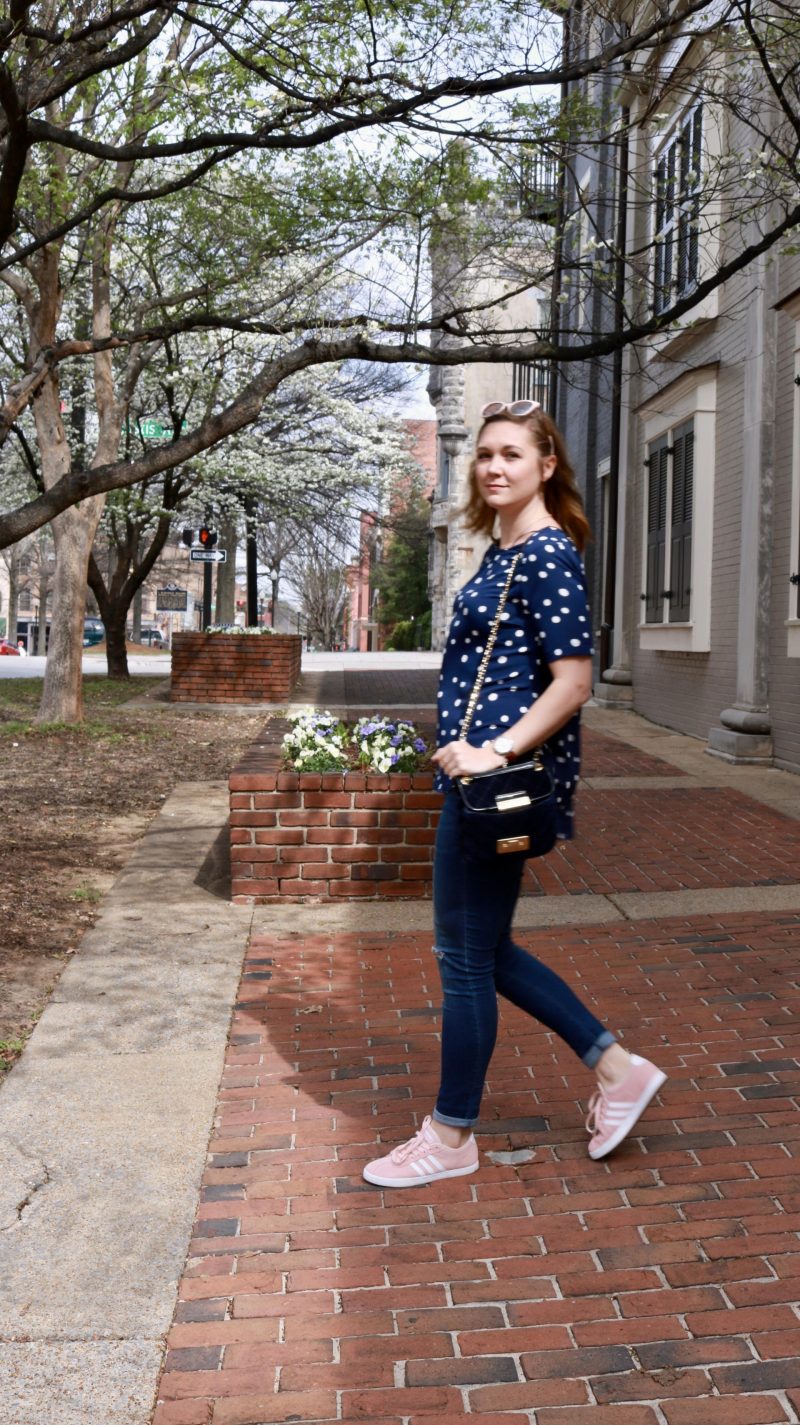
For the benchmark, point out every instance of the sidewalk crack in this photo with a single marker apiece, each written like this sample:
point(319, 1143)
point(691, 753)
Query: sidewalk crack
point(36, 1186)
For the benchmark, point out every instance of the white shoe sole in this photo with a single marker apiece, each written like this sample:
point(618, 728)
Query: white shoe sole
point(633, 1118)
point(418, 1181)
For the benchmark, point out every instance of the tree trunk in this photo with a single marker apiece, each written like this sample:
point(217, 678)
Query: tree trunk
point(43, 591)
point(136, 635)
point(124, 589)
point(116, 650)
point(73, 533)
point(13, 596)
point(226, 575)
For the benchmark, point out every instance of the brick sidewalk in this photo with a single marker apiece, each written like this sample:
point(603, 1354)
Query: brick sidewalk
point(659, 1286)
point(669, 839)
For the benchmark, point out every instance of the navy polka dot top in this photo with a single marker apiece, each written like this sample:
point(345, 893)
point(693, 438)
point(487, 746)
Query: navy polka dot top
point(546, 617)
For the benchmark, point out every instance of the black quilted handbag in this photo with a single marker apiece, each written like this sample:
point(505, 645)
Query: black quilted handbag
point(511, 810)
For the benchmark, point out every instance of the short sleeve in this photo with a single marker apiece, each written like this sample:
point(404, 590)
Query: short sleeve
point(557, 604)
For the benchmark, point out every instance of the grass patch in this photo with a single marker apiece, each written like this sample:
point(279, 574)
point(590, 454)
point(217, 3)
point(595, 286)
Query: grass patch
point(10, 1049)
point(21, 696)
point(95, 730)
point(87, 893)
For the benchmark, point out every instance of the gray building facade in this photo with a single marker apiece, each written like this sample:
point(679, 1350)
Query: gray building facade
point(698, 425)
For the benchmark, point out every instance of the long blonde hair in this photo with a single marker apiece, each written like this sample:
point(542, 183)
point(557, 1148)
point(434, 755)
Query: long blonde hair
point(561, 495)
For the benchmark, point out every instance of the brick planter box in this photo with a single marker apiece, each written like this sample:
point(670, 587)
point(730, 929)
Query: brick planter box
point(234, 668)
point(331, 836)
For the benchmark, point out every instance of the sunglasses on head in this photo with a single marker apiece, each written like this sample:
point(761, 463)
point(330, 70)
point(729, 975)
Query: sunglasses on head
point(509, 408)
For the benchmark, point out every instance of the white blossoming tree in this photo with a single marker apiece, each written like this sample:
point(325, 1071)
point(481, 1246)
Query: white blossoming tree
point(279, 171)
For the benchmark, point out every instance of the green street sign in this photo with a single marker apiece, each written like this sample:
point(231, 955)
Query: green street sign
point(150, 429)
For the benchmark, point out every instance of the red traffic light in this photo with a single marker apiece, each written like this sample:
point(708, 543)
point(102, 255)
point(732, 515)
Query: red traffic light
point(206, 537)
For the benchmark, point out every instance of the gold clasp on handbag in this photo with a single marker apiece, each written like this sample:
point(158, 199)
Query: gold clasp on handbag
point(512, 843)
point(512, 801)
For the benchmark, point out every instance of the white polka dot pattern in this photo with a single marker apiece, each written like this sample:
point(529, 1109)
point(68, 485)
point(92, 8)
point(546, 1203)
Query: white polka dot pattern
point(545, 619)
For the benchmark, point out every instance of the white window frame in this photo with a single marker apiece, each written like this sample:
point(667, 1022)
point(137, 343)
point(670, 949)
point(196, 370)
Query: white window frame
point(604, 486)
point(792, 619)
point(706, 309)
point(692, 397)
point(583, 278)
point(693, 115)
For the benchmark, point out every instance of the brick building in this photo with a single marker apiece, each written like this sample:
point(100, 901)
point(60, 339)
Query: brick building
point(361, 627)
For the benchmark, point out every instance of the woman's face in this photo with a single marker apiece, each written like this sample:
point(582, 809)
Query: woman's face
point(509, 468)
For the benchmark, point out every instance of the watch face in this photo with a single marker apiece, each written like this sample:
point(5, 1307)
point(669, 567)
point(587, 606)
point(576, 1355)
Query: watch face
point(503, 745)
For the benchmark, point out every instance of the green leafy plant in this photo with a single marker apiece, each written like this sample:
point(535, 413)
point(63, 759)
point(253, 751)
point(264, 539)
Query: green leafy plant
point(320, 742)
point(316, 743)
point(385, 745)
point(85, 892)
point(237, 628)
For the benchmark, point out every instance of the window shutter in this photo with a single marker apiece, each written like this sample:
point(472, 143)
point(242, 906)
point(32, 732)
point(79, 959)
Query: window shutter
point(656, 530)
point(689, 201)
point(665, 228)
point(694, 227)
point(680, 578)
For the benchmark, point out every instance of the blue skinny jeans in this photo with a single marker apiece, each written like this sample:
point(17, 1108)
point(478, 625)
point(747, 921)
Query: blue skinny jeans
point(473, 909)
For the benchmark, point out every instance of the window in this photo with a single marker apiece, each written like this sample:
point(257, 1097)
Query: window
point(538, 186)
point(531, 381)
point(670, 500)
point(578, 280)
point(445, 470)
point(677, 211)
point(793, 583)
point(603, 472)
point(24, 601)
point(679, 430)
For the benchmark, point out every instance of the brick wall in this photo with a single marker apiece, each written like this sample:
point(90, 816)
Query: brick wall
point(234, 668)
point(329, 836)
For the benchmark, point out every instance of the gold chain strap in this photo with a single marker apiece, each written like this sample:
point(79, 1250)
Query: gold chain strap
point(490, 643)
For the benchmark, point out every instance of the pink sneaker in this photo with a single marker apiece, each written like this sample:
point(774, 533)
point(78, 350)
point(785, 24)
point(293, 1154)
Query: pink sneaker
point(423, 1159)
point(614, 1112)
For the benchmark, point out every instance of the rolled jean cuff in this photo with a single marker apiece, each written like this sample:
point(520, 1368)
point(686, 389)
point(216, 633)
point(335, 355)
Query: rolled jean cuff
point(452, 1122)
point(598, 1049)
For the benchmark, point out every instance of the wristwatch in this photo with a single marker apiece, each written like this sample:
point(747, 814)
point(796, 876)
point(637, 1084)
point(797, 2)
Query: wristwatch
point(503, 746)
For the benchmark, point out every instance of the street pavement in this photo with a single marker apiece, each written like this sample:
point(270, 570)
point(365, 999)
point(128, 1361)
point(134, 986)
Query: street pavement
point(659, 1287)
point(160, 663)
point(93, 665)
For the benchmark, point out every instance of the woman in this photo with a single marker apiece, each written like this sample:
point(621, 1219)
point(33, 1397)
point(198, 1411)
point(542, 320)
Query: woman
point(538, 678)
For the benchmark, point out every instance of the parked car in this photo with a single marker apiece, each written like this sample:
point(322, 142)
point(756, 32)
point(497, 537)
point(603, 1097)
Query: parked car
point(93, 632)
point(8, 648)
point(153, 637)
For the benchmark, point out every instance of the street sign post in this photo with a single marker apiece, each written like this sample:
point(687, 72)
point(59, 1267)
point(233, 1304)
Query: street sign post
point(208, 556)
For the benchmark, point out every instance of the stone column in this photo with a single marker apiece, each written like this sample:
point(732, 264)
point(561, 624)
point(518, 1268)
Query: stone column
point(615, 688)
point(446, 390)
point(744, 734)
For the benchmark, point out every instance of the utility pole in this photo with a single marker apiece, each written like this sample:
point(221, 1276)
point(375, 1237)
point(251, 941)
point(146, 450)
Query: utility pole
point(250, 507)
point(206, 596)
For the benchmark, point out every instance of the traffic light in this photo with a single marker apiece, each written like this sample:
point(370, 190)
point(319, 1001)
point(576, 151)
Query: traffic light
point(187, 537)
point(206, 537)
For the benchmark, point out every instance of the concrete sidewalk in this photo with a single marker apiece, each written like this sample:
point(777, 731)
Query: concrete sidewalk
point(105, 1123)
